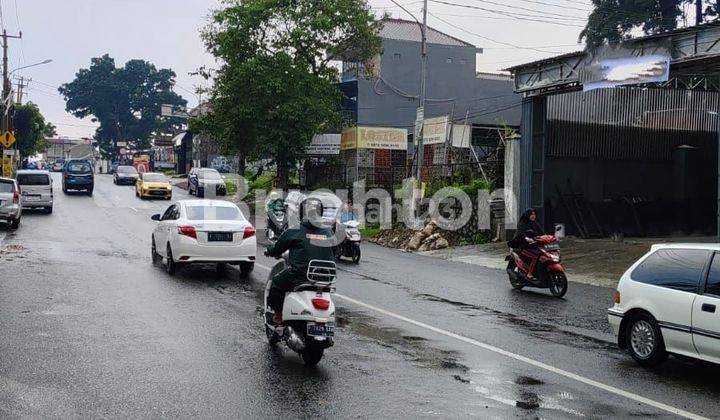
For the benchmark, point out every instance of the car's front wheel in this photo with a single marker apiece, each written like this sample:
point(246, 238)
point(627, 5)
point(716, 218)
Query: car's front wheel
point(644, 341)
point(153, 252)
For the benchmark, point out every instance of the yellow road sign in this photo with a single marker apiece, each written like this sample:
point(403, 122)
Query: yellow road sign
point(7, 139)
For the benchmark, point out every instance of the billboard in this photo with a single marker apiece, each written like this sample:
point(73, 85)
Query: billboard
point(613, 66)
point(374, 138)
point(435, 130)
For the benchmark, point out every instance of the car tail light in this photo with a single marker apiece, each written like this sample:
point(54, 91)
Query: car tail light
point(187, 231)
point(616, 296)
point(322, 304)
point(16, 198)
point(249, 232)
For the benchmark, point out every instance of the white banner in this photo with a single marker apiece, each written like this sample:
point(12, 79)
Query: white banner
point(435, 130)
point(461, 135)
point(324, 144)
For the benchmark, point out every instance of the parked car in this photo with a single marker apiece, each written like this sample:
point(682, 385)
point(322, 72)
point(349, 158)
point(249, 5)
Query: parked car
point(203, 231)
point(10, 202)
point(125, 175)
point(201, 180)
point(668, 302)
point(153, 184)
point(57, 166)
point(78, 175)
point(36, 189)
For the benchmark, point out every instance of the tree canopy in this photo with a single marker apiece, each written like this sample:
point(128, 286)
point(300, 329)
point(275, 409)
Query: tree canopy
point(276, 86)
point(612, 21)
point(31, 129)
point(124, 100)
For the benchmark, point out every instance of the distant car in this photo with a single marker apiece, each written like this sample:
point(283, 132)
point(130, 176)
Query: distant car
point(10, 202)
point(36, 189)
point(125, 175)
point(78, 175)
point(668, 302)
point(202, 180)
point(153, 184)
point(204, 231)
point(57, 166)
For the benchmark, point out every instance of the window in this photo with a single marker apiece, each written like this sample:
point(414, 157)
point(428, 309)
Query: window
point(170, 213)
point(154, 178)
point(713, 281)
point(397, 56)
point(79, 168)
point(213, 213)
point(33, 179)
point(6, 187)
point(127, 170)
point(448, 60)
point(679, 269)
point(209, 174)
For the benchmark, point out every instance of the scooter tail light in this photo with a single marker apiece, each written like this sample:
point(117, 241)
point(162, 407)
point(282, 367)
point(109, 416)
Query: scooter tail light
point(249, 232)
point(616, 297)
point(321, 304)
point(188, 231)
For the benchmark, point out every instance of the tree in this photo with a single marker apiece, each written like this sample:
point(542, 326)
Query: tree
point(31, 129)
point(276, 86)
point(612, 21)
point(125, 101)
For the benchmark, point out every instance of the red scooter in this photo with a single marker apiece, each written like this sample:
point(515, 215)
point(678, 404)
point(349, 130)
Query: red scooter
point(547, 273)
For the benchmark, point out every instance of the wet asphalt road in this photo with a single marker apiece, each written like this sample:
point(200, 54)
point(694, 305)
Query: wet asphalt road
point(92, 329)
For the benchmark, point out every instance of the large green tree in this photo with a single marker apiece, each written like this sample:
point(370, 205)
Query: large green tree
point(612, 21)
point(276, 84)
point(124, 100)
point(31, 129)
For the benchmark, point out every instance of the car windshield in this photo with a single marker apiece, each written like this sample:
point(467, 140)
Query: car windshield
point(127, 170)
point(6, 187)
point(154, 178)
point(213, 213)
point(209, 175)
point(79, 167)
point(33, 179)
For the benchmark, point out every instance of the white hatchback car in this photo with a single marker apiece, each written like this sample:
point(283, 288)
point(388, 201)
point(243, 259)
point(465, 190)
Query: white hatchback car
point(669, 302)
point(204, 231)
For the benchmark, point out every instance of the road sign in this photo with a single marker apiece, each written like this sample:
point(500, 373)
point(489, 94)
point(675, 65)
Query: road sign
point(173, 111)
point(419, 118)
point(7, 139)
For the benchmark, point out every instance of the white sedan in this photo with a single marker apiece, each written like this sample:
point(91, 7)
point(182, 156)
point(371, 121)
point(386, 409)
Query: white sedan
point(203, 231)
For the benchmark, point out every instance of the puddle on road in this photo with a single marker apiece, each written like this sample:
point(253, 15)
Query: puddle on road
point(544, 331)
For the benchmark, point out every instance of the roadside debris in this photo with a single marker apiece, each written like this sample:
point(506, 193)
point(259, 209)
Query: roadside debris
point(429, 238)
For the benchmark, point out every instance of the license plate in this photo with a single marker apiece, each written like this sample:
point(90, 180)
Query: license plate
point(321, 330)
point(220, 236)
point(552, 247)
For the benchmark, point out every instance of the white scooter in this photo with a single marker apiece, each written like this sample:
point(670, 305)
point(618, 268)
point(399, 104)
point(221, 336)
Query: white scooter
point(308, 312)
point(350, 246)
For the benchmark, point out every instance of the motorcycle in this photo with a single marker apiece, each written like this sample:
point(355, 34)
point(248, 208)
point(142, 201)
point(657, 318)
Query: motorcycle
point(276, 220)
point(308, 313)
point(350, 246)
point(548, 273)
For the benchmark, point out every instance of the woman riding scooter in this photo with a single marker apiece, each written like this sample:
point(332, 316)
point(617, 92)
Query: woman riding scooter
point(527, 229)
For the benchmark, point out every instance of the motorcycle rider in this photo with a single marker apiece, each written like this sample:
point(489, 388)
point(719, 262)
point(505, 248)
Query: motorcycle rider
point(309, 241)
point(527, 229)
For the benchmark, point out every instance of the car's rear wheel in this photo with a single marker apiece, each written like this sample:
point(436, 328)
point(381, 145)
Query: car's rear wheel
point(15, 223)
point(644, 341)
point(170, 264)
point(246, 268)
point(90, 192)
point(49, 209)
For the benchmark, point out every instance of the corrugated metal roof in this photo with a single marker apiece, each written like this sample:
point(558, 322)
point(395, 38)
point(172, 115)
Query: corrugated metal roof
point(407, 30)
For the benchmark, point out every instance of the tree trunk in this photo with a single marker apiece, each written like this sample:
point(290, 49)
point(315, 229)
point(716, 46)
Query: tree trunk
point(241, 164)
point(282, 171)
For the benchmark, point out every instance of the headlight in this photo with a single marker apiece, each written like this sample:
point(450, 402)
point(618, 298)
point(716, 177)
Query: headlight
point(556, 258)
point(169, 187)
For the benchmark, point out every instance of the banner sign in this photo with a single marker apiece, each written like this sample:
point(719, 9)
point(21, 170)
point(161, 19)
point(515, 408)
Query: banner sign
point(461, 135)
point(324, 144)
point(374, 138)
point(618, 66)
point(435, 130)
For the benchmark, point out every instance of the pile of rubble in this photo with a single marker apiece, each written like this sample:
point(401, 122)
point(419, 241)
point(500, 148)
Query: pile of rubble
point(428, 238)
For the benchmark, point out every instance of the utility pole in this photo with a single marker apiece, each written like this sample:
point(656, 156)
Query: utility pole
point(423, 77)
point(5, 121)
point(21, 84)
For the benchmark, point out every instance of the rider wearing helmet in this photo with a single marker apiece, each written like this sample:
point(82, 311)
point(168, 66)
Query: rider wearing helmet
point(309, 241)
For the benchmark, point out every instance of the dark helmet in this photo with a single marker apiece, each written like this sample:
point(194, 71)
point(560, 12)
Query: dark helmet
point(311, 211)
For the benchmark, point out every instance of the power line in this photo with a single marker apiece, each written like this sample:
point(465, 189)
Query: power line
point(552, 5)
point(542, 13)
point(490, 39)
point(516, 16)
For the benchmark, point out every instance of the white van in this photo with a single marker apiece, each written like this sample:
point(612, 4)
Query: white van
point(36, 189)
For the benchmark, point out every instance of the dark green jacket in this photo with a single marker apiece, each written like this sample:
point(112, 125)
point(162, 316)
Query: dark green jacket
point(305, 243)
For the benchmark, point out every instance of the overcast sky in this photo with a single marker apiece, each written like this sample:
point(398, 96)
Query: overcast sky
point(166, 33)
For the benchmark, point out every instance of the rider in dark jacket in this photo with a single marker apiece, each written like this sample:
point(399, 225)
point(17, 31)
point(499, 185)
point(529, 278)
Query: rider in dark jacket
point(527, 229)
point(309, 241)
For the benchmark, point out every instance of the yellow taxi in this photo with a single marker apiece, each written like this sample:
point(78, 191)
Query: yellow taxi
point(153, 185)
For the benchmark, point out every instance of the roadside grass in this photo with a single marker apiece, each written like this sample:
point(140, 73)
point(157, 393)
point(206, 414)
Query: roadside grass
point(370, 232)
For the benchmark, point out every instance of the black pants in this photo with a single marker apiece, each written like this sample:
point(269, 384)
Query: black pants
point(283, 282)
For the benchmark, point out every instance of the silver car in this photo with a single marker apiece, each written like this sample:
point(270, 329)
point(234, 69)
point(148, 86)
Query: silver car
point(36, 189)
point(10, 202)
